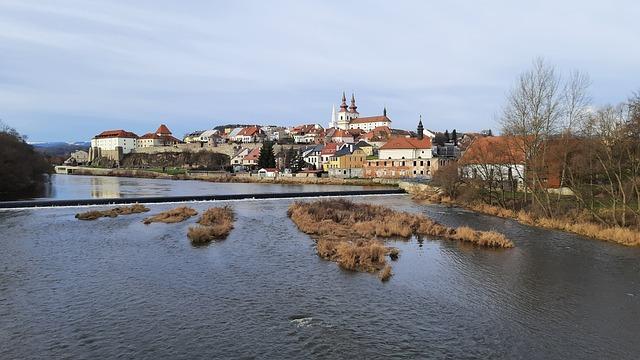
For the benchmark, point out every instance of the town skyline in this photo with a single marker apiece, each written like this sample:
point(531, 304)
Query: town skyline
point(86, 67)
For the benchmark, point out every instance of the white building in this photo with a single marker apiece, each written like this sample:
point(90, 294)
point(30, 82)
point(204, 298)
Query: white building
point(111, 140)
point(348, 117)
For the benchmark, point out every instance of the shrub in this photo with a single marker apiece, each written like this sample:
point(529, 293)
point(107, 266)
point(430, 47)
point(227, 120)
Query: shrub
point(172, 216)
point(215, 223)
point(124, 210)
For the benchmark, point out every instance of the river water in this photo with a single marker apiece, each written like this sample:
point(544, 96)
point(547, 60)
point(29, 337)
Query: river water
point(72, 187)
point(116, 288)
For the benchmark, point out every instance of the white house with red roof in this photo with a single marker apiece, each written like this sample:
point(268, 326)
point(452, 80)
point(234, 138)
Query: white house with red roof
point(348, 117)
point(249, 134)
point(403, 157)
point(112, 139)
point(161, 137)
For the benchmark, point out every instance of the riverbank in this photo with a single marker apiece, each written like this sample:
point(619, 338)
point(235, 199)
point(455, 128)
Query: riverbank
point(224, 177)
point(619, 235)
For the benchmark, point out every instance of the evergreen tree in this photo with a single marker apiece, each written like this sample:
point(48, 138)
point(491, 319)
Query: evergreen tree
point(267, 159)
point(446, 135)
point(454, 137)
point(298, 163)
point(290, 157)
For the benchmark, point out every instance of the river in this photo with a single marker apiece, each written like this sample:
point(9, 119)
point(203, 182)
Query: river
point(115, 288)
point(72, 187)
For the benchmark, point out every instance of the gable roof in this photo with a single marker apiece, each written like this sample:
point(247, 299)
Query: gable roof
point(370, 119)
point(116, 134)
point(407, 143)
point(329, 149)
point(249, 131)
point(342, 152)
point(494, 150)
point(253, 154)
point(163, 130)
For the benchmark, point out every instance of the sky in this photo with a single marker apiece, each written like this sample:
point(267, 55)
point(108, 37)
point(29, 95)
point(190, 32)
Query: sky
point(71, 69)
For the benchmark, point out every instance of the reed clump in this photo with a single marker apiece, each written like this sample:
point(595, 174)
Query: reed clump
point(385, 274)
point(172, 216)
point(348, 233)
point(121, 210)
point(215, 224)
point(620, 235)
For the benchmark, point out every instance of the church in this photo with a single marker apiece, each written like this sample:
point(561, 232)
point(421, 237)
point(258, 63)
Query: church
point(348, 117)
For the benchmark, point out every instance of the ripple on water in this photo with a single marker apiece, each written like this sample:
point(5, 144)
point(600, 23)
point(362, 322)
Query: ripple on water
point(118, 288)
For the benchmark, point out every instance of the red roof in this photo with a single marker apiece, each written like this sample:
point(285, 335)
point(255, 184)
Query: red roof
point(329, 149)
point(116, 134)
point(494, 150)
point(370, 119)
point(253, 154)
point(407, 143)
point(163, 130)
point(249, 131)
point(341, 133)
point(150, 136)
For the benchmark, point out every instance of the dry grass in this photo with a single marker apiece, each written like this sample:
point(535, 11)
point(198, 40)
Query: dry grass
point(121, 210)
point(172, 216)
point(572, 222)
point(385, 274)
point(215, 223)
point(620, 235)
point(348, 233)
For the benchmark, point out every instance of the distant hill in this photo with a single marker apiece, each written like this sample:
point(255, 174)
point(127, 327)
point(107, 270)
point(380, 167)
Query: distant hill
point(60, 148)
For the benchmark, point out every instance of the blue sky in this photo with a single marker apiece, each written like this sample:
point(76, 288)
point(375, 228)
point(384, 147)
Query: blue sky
point(70, 69)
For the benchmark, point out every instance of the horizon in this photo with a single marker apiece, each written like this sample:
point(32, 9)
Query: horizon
point(72, 70)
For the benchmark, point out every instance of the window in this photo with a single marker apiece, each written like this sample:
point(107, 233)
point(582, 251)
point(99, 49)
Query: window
point(415, 162)
point(385, 163)
point(428, 163)
point(402, 163)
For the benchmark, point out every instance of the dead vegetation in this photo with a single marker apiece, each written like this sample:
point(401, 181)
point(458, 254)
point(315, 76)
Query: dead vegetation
point(574, 222)
point(348, 233)
point(172, 216)
point(215, 223)
point(121, 210)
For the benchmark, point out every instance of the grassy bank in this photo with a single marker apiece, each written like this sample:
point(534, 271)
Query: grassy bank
point(226, 178)
point(620, 235)
point(215, 224)
point(122, 210)
point(349, 233)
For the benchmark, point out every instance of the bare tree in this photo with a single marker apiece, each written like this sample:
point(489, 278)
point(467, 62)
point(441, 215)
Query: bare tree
point(540, 107)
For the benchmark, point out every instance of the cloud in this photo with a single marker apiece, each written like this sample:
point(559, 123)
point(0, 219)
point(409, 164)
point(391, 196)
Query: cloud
point(135, 64)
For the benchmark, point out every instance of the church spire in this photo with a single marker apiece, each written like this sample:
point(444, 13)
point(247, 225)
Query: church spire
point(343, 106)
point(353, 106)
point(420, 129)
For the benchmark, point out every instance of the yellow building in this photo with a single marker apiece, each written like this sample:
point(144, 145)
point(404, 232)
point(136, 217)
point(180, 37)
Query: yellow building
point(343, 159)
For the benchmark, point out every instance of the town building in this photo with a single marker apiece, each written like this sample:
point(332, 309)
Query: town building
point(402, 157)
point(112, 144)
point(251, 159)
point(347, 163)
point(348, 117)
point(161, 137)
point(78, 157)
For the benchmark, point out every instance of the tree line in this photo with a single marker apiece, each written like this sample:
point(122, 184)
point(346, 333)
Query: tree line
point(22, 168)
point(590, 155)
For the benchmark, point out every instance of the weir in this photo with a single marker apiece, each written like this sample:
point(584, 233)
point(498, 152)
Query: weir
point(165, 199)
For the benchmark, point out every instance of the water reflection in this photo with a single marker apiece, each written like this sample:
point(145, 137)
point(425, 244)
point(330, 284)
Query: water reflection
point(67, 187)
point(105, 187)
point(116, 286)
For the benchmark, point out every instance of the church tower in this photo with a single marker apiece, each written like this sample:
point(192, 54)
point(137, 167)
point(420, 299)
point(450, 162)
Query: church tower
point(344, 117)
point(420, 129)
